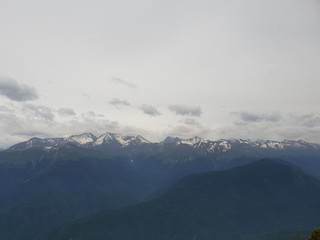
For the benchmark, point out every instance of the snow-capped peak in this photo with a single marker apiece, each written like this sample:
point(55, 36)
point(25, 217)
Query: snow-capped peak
point(171, 140)
point(119, 139)
point(191, 141)
point(38, 143)
point(82, 139)
point(141, 139)
point(176, 141)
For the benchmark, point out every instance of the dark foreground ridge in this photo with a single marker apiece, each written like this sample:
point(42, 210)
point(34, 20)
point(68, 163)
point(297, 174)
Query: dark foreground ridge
point(247, 202)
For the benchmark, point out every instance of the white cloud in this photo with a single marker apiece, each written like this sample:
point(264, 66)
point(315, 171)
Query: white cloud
point(66, 112)
point(310, 120)
point(33, 112)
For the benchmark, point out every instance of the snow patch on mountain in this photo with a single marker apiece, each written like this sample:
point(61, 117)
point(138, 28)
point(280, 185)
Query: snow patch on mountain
point(82, 138)
point(224, 146)
point(176, 141)
point(113, 138)
point(191, 141)
point(99, 140)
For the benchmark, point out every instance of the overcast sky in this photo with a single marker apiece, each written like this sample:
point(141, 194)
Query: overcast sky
point(215, 69)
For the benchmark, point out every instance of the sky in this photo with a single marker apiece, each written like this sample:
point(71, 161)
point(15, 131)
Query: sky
point(214, 69)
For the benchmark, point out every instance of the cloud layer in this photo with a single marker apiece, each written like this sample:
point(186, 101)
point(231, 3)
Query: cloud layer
point(150, 110)
point(21, 122)
point(310, 120)
point(66, 112)
point(123, 82)
point(203, 60)
point(38, 112)
point(259, 117)
point(186, 110)
point(118, 102)
point(15, 91)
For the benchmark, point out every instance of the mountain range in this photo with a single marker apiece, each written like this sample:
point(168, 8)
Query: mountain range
point(205, 154)
point(89, 140)
point(48, 183)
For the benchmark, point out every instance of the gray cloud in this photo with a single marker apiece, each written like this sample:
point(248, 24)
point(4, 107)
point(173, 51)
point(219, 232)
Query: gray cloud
point(38, 111)
point(259, 117)
point(235, 56)
point(191, 122)
point(274, 126)
point(118, 103)
point(5, 109)
point(66, 112)
point(309, 120)
point(269, 130)
point(150, 110)
point(15, 91)
point(20, 125)
point(23, 122)
point(92, 114)
point(123, 82)
point(185, 110)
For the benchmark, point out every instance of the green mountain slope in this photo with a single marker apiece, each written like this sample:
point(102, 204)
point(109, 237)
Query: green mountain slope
point(42, 189)
point(260, 199)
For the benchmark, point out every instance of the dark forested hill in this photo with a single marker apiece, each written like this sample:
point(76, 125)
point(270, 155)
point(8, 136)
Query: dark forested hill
point(45, 183)
point(42, 189)
point(265, 197)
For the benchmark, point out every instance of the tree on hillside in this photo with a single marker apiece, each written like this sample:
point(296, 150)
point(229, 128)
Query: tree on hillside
point(315, 235)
